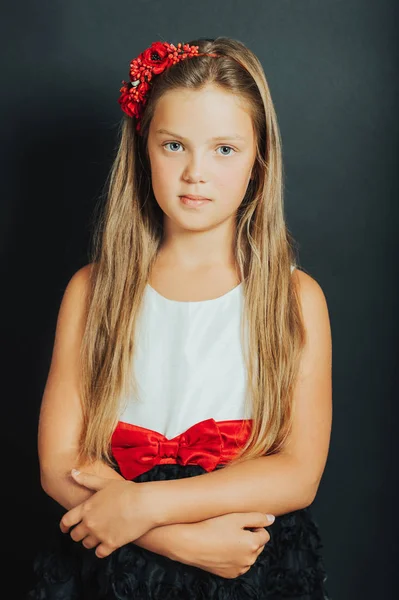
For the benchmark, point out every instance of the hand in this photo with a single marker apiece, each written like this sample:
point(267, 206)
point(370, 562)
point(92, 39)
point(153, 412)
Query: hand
point(224, 547)
point(102, 469)
point(118, 513)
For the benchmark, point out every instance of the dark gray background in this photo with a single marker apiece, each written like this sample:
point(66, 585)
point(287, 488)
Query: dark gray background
point(332, 70)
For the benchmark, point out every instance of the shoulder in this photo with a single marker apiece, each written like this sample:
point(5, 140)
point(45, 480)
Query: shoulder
point(315, 316)
point(81, 277)
point(78, 283)
point(71, 320)
point(60, 413)
point(309, 438)
point(73, 303)
point(310, 292)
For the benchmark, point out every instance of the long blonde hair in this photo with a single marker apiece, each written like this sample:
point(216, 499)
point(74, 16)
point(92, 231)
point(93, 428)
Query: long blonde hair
point(126, 239)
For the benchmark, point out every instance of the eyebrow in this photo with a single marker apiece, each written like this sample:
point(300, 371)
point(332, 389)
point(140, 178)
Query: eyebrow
point(213, 139)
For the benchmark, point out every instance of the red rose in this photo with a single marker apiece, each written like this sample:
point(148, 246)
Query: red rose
point(153, 61)
point(133, 99)
point(156, 64)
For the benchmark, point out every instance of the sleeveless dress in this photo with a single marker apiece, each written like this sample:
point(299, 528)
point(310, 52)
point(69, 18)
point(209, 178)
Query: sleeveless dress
point(188, 420)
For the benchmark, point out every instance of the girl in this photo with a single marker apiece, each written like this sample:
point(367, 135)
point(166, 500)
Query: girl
point(190, 381)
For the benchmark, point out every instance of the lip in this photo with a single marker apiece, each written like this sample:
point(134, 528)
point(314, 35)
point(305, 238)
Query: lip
point(189, 202)
point(191, 197)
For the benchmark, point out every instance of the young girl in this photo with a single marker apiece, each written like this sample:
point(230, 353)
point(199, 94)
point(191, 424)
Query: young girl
point(190, 381)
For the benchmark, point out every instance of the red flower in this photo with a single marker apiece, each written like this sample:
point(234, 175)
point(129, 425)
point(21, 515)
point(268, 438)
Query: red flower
point(156, 57)
point(133, 99)
point(153, 61)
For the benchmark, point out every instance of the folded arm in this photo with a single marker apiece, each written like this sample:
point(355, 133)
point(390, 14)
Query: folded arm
point(271, 484)
point(282, 482)
point(61, 418)
point(172, 541)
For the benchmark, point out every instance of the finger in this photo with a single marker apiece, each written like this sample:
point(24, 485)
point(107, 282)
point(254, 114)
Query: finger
point(260, 550)
point(263, 537)
point(255, 520)
point(71, 517)
point(103, 550)
point(79, 532)
point(89, 480)
point(90, 541)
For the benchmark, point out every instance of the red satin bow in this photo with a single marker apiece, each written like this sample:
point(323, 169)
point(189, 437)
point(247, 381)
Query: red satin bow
point(137, 449)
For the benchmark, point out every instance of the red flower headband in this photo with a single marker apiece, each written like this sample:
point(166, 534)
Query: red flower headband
point(153, 61)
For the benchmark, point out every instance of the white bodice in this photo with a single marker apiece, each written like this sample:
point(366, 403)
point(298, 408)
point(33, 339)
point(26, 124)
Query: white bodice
point(188, 363)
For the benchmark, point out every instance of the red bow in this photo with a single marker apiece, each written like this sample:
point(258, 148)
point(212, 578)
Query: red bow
point(137, 449)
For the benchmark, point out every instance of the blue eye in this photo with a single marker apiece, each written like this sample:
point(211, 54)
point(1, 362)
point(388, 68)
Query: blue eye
point(229, 147)
point(178, 144)
point(169, 143)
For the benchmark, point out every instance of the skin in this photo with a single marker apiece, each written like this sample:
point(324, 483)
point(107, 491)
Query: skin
point(197, 254)
point(221, 170)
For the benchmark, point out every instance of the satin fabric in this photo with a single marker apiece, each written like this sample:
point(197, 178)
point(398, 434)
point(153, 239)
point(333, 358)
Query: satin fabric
point(207, 444)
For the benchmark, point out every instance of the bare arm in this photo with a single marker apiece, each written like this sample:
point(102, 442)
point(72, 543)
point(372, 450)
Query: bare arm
point(282, 482)
point(60, 421)
point(167, 540)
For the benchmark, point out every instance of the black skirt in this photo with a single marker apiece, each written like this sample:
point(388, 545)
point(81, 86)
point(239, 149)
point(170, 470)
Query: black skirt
point(290, 565)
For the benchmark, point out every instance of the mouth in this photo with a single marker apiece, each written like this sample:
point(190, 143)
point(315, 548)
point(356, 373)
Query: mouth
point(194, 197)
point(191, 200)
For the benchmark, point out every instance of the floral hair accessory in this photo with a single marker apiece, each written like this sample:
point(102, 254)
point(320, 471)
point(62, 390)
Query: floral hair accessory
point(153, 61)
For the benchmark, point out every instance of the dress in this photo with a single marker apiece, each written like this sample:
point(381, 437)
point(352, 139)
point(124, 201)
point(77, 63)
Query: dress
point(188, 420)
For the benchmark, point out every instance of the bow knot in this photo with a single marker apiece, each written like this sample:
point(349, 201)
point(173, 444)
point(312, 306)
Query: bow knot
point(137, 449)
point(168, 448)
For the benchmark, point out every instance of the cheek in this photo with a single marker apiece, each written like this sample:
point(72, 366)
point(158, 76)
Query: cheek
point(159, 169)
point(233, 181)
point(231, 186)
point(163, 179)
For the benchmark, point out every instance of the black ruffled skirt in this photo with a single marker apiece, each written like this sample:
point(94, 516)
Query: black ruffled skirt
point(290, 565)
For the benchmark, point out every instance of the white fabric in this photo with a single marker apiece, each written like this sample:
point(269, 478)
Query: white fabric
point(188, 362)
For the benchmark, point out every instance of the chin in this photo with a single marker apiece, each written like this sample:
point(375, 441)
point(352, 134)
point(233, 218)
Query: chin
point(195, 223)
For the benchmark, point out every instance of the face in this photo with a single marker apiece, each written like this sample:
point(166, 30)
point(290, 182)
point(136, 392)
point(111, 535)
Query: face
point(200, 143)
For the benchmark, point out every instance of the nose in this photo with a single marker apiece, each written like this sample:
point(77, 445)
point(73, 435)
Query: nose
point(193, 171)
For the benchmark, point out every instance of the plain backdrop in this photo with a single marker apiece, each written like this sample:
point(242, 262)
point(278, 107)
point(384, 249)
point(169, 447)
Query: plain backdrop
point(332, 71)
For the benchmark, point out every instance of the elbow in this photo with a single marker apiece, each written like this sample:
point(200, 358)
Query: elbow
point(56, 487)
point(45, 482)
point(50, 478)
point(310, 492)
point(308, 500)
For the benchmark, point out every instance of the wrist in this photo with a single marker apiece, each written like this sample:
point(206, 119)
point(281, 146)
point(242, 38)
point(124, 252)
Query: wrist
point(182, 542)
point(152, 497)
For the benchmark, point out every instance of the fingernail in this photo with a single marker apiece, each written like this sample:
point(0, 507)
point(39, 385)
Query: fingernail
point(75, 472)
point(271, 518)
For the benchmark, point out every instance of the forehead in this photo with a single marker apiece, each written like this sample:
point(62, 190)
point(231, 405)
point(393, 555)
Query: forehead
point(210, 113)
